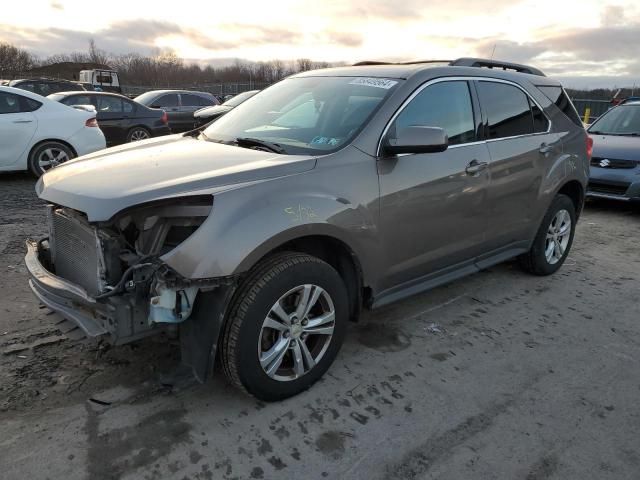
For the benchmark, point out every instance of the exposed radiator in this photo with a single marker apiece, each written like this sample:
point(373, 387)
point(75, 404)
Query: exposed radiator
point(74, 249)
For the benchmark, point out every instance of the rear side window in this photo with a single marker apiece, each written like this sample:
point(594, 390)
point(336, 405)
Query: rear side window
point(189, 100)
point(540, 121)
point(11, 103)
point(558, 96)
point(507, 110)
point(107, 104)
point(78, 100)
point(446, 105)
point(29, 105)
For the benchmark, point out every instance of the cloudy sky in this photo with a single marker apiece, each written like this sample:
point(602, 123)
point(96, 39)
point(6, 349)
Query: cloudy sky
point(585, 42)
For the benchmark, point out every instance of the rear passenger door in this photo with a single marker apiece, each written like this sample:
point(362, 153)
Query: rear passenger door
point(520, 148)
point(189, 103)
point(111, 119)
point(170, 104)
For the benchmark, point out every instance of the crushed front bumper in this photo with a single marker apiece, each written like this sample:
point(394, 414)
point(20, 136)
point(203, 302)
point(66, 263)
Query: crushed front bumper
point(69, 300)
point(120, 318)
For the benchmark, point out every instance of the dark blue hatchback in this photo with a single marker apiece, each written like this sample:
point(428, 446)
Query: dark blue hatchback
point(615, 164)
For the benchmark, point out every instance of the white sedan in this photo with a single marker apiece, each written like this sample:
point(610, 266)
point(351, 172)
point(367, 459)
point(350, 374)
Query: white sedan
point(37, 133)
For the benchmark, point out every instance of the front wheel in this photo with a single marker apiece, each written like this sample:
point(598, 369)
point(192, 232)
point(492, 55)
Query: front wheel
point(553, 240)
point(285, 326)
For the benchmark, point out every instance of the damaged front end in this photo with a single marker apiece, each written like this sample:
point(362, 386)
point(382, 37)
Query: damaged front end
point(109, 277)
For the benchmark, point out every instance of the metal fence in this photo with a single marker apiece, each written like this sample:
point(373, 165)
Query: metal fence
point(589, 110)
point(214, 88)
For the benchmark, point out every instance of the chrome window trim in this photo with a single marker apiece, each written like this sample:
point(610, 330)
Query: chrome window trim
point(457, 79)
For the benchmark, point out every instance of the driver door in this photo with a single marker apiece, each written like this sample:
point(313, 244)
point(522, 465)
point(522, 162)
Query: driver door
point(433, 206)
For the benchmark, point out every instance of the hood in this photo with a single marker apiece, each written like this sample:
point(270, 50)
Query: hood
point(211, 111)
point(106, 182)
point(616, 147)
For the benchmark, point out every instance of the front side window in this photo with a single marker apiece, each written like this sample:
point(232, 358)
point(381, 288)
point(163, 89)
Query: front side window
point(170, 100)
point(621, 120)
point(305, 115)
point(446, 105)
point(507, 110)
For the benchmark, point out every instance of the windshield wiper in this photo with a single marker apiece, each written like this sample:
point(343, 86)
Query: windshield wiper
point(256, 142)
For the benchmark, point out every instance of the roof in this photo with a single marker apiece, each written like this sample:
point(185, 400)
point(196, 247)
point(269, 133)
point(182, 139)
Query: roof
point(90, 92)
point(159, 92)
point(462, 66)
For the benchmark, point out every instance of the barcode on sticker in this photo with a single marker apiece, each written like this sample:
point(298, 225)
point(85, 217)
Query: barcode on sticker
point(374, 82)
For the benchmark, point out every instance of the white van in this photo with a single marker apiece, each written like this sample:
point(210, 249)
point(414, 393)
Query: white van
point(105, 80)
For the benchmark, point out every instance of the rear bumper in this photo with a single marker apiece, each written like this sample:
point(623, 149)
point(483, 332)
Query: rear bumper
point(88, 140)
point(613, 183)
point(69, 300)
point(161, 131)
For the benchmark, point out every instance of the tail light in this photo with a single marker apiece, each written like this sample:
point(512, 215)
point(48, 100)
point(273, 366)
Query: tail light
point(589, 147)
point(165, 118)
point(92, 122)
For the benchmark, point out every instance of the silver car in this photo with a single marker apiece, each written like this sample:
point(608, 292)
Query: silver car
point(329, 192)
point(180, 105)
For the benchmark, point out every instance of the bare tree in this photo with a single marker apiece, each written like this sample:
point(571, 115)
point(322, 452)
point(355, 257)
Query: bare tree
point(14, 59)
point(304, 64)
point(97, 55)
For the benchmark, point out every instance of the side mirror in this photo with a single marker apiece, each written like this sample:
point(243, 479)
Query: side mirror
point(416, 139)
point(155, 106)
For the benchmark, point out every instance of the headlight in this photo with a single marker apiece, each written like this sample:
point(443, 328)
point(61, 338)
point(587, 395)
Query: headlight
point(158, 227)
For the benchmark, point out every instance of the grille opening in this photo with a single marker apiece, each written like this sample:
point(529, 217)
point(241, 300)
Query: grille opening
point(609, 188)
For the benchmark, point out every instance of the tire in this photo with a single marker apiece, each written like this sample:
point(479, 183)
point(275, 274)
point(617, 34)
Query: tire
point(537, 260)
point(47, 155)
point(247, 339)
point(138, 133)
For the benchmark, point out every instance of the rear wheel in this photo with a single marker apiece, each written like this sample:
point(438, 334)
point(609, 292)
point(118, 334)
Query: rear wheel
point(285, 326)
point(48, 155)
point(553, 240)
point(138, 133)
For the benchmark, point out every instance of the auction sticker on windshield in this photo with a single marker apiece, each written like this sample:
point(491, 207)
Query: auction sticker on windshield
point(374, 82)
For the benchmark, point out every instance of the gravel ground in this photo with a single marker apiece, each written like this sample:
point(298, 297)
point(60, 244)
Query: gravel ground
point(500, 375)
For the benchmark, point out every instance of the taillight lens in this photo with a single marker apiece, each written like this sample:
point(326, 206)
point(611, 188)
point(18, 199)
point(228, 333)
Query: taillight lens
point(92, 122)
point(165, 118)
point(589, 147)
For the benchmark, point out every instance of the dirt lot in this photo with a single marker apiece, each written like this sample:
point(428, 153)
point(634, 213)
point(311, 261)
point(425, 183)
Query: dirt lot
point(501, 375)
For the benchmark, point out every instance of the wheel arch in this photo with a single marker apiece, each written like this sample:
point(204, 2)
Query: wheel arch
point(40, 142)
point(330, 248)
point(575, 191)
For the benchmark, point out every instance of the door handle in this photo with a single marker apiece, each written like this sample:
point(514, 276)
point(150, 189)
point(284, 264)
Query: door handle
point(22, 121)
point(475, 167)
point(545, 148)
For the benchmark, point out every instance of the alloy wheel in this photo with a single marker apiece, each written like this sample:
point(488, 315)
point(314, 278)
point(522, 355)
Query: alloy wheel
point(558, 236)
point(296, 332)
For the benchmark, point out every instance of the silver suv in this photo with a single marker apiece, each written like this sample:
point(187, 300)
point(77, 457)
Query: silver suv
point(259, 237)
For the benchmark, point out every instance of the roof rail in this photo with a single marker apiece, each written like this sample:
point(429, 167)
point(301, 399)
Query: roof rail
point(370, 62)
point(483, 62)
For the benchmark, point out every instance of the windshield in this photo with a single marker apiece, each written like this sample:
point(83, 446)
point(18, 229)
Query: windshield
point(308, 115)
point(241, 97)
point(622, 120)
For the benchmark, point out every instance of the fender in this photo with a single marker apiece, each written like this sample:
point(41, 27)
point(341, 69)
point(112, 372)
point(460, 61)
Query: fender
point(246, 224)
